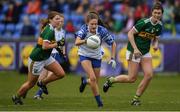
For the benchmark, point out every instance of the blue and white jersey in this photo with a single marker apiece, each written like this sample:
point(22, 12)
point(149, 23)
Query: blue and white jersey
point(59, 34)
point(102, 33)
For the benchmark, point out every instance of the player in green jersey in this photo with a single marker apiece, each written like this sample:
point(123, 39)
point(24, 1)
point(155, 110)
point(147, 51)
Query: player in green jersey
point(41, 58)
point(59, 54)
point(140, 37)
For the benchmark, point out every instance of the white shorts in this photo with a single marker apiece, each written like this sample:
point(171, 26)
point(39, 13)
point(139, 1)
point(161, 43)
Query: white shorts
point(130, 56)
point(36, 67)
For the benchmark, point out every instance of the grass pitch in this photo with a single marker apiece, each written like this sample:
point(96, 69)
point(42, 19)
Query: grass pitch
point(163, 94)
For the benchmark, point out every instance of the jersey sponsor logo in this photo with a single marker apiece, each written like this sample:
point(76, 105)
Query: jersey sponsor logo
point(146, 35)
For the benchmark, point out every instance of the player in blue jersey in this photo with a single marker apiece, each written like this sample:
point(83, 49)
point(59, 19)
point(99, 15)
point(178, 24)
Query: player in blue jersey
point(91, 58)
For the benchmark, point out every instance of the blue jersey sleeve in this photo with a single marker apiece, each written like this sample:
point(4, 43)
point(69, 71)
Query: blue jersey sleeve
point(106, 35)
point(82, 32)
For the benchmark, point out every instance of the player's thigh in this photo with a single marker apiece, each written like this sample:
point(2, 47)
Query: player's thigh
point(87, 66)
point(43, 74)
point(56, 68)
point(146, 64)
point(133, 68)
point(32, 78)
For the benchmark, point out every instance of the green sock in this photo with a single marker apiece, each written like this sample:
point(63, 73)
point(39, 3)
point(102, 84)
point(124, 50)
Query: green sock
point(136, 97)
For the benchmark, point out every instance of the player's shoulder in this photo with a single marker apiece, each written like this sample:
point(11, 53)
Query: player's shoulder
point(144, 20)
point(49, 27)
point(84, 27)
point(102, 29)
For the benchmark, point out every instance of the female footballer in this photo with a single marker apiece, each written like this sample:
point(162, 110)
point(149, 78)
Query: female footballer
point(140, 37)
point(91, 58)
point(41, 58)
point(57, 53)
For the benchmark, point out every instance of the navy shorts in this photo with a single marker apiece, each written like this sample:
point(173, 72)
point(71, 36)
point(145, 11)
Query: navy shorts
point(95, 62)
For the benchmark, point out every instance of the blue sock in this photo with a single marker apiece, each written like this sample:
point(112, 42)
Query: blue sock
point(98, 100)
point(84, 80)
point(39, 92)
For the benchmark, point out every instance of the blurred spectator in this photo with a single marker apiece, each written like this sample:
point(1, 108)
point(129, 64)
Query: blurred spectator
point(69, 27)
point(168, 17)
point(13, 12)
point(141, 11)
point(53, 5)
point(129, 23)
point(34, 7)
point(107, 5)
point(27, 29)
point(118, 14)
point(9, 14)
point(177, 15)
point(107, 18)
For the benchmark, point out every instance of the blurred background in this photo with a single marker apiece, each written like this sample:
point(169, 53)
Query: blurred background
point(19, 30)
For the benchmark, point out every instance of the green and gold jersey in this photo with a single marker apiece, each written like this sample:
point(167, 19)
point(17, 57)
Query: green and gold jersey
point(39, 54)
point(146, 31)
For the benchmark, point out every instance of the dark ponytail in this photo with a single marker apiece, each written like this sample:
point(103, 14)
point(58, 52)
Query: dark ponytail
point(43, 22)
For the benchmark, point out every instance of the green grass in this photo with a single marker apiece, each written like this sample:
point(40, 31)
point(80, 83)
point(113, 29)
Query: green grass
point(162, 94)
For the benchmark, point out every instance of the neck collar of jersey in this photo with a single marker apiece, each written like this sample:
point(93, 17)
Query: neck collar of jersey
point(152, 22)
point(96, 29)
point(51, 27)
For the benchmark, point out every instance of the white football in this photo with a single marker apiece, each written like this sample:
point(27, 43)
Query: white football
point(93, 42)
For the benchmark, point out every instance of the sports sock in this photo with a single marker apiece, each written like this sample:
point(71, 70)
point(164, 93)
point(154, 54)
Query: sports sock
point(112, 79)
point(98, 100)
point(85, 81)
point(39, 92)
point(136, 97)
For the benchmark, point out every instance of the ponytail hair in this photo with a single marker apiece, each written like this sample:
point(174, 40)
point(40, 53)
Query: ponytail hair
point(43, 22)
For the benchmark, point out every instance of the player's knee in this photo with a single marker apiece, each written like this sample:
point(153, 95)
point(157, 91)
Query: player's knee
point(93, 79)
point(148, 76)
point(61, 74)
